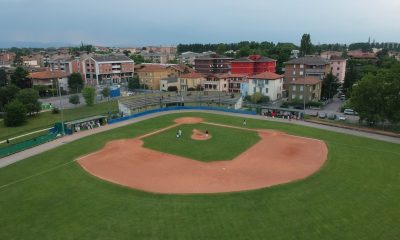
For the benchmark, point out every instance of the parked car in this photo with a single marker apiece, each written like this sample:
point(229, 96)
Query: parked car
point(322, 115)
point(342, 118)
point(342, 97)
point(349, 111)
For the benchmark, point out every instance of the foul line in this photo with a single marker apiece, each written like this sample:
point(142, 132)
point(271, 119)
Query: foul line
point(75, 160)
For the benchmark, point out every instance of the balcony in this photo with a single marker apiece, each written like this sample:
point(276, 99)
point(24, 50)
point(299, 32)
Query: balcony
point(315, 71)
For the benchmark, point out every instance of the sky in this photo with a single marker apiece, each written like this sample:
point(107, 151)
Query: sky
point(162, 22)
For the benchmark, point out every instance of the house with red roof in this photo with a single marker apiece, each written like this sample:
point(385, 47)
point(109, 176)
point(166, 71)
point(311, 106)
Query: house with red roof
point(253, 64)
point(50, 79)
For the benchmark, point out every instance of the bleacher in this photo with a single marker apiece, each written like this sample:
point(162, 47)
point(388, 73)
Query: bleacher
point(143, 100)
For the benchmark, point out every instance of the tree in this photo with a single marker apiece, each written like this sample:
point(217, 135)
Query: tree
point(105, 92)
point(367, 98)
point(330, 85)
point(3, 77)
point(89, 94)
point(30, 98)
point(74, 99)
point(221, 49)
point(19, 78)
point(133, 83)
point(7, 94)
point(126, 52)
point(15, 114)
point(75, 82)
point(256, 97)
point(138, 59)
point(305, 45)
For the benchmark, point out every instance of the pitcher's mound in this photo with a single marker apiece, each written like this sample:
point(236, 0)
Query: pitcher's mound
point(199, 135)
point(188, 120)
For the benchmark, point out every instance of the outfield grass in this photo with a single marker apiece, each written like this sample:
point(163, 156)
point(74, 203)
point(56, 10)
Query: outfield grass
point(47, 119)
point(355, 196)
point(227, 140)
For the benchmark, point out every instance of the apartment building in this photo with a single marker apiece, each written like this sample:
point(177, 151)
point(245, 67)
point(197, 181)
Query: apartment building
point(337, 62)
point(306, 89)
point(73, 65)
point(306, 66)
point(231, 82)
point(253, 64)
point(213, 64)
point(107, 69)
point(7, 58)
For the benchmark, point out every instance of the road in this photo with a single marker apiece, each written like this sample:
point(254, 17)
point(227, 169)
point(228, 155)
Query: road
point(61, 141)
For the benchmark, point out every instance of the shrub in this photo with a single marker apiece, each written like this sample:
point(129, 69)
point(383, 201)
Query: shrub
point(55, 110)
point(15, 114)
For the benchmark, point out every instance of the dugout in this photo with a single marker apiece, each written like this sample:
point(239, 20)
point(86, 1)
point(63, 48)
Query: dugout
point(282, 112)
point(81, 124)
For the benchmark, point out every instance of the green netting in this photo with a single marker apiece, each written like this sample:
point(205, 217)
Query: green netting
point(14, 148)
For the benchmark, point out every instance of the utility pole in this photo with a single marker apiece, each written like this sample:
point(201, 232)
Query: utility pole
point(61, 108)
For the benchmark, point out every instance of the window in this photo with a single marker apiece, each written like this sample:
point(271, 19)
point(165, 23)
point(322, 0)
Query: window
point(293, 96)
point(266, 90)
point(338, 68)
point(294, 87)
point(301, 66)
point(301, 96)
point(294, 72)
point(301, 73)
point(294, 66)
point(301, 88)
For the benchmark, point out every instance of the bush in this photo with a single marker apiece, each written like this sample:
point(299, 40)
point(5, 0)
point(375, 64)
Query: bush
point(55, 110)
point(74, 99)
point(30, 98)
point(15, 114)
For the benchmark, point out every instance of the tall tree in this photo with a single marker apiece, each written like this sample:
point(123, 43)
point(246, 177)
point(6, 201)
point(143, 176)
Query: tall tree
point(306, 46)
point(30, 98)
point(75, 82)
point(330, 85)
point(89, 93)
point(7, 94)
point(19, 78)
point(3, 77)
point(15, 114)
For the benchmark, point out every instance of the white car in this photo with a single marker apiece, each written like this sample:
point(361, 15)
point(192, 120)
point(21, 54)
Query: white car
point(342, 118)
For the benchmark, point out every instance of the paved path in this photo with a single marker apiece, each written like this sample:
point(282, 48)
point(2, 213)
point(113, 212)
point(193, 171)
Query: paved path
point(61, 141)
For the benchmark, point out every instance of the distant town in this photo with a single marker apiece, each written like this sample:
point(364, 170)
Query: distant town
point(278, 74)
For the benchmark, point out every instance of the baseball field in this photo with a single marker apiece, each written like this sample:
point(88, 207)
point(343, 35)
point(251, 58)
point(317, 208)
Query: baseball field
point(351, 192)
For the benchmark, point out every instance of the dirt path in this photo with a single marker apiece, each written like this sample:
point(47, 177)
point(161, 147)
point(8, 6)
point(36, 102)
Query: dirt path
point(277, 158)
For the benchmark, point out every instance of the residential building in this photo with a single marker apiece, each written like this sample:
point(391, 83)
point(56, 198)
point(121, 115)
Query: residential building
point(156, 57)
point(213, 64)
point(307, 88)
point(151, 74)
point(329, 54)
point(358, 54)
point(7, 58)
point(107, 69)
point(191, 81)
point(267, 83)
point(73, 65)
point(306, 66)
point(168, 82)
point(211, 83)
point(253, 64)
point(232, 82)
point(188, 57)
point(51, 79)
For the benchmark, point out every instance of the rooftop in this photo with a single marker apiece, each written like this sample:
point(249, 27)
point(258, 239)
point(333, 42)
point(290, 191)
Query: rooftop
point(266, 75)
point(254, 58)
point(308, 60)
point(308, 80)
point(48, 75)
point(111, 58)
point(192, 75)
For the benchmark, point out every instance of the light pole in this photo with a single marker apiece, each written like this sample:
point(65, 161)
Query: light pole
point(61, 108)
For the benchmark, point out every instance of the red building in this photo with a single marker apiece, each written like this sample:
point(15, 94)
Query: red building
point(253, 64)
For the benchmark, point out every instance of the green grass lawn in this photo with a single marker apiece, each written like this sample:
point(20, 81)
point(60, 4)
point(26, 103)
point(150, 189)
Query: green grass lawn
point(224, 144)
point(47, 119)
point(356, 195)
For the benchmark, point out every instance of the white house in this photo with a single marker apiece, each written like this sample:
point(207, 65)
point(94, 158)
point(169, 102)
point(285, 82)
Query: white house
point(267, 83)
